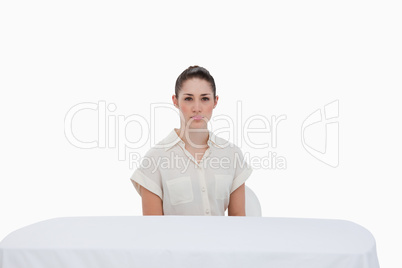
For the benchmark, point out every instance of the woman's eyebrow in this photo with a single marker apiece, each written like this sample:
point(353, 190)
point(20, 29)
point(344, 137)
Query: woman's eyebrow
point(205, 94)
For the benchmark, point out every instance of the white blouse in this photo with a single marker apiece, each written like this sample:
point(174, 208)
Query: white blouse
point(187, 187)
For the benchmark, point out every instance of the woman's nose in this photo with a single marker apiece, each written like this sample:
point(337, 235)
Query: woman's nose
point(197, 106)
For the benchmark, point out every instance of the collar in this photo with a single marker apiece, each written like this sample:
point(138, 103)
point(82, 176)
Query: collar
point(172, 139)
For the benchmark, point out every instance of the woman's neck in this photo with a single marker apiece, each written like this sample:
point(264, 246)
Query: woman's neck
point(194, 138)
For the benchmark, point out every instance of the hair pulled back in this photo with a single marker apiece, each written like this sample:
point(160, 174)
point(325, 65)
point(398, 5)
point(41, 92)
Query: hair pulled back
point(195, 72)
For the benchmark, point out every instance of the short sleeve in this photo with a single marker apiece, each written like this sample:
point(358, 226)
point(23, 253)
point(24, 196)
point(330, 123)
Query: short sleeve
point(148, 176)
point(242, 169)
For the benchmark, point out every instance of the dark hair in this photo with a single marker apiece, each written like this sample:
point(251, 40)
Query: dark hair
point(194, 72)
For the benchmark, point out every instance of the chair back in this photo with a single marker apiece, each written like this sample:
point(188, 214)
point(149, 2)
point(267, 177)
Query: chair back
point(253, 207)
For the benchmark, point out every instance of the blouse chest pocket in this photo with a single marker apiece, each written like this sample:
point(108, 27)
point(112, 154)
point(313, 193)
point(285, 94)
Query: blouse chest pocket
point(223, 184)
point(180, 190)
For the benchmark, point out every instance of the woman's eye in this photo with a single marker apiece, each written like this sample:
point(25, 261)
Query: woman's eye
point(189, 99)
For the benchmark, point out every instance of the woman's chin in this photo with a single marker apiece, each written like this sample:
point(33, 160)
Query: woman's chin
point(198, 124)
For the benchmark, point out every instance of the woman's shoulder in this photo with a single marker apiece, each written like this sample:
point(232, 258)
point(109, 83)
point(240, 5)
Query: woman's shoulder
point(163, 145)
point(225, 144)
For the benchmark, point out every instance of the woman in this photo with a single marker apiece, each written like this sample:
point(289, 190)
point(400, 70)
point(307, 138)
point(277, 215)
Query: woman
point(192, 171)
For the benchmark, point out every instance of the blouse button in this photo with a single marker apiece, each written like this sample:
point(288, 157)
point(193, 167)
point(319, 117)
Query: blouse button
point(207, 211)
point(203, 189)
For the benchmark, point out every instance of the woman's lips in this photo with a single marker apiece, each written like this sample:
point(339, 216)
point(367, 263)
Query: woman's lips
point(197, 117)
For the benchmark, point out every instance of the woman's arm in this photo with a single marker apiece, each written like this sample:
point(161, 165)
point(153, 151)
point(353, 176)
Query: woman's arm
point(151, 203)
point(237, 203)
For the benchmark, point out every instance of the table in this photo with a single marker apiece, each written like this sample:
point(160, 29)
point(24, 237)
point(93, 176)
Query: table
point(189, 241)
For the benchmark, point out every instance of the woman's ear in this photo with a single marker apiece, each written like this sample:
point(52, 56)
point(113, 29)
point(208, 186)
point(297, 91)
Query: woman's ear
point(216, 101)
point(175, 101)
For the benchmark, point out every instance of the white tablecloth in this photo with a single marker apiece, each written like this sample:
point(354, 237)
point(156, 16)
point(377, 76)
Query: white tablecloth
point(190, 242)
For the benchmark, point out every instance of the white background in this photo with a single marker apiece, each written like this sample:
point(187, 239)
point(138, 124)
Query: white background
point(278, 58)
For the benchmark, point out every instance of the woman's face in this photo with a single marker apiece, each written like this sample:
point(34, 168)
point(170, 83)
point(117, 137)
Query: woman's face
point(195, 102)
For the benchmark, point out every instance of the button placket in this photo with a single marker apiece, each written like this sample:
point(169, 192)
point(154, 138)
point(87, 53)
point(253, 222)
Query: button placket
point(188, 154)
point(204, 191)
